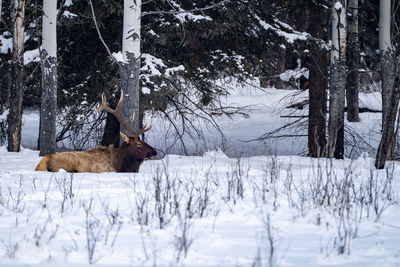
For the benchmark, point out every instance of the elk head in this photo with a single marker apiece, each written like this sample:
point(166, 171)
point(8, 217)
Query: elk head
point(133, 151)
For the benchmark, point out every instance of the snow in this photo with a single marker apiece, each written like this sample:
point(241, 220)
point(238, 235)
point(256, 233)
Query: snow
point(338, 6)
point(189, 16)
point(293, 74)
point(42, 225)
point(152, 64)
point(266, 110)
point(118, 56)
point(31, 56)
point(214, 209)
point(171, 71)
point(68, 14)
point(6, 44)
point(68, 3)
point(290, 36)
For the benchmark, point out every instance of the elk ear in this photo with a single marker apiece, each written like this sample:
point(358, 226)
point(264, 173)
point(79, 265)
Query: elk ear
point(124, 137)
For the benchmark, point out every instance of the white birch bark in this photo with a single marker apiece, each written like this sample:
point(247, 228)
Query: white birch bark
point(1, 2)
point(130, 67)
point(338, 35)
point(385, 42)
point(387, 64)
point(388, 81)
point(49, 34)
point(48, 109)
point(337, 81)
point(131, 28)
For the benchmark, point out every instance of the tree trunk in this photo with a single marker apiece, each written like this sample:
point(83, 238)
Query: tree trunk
point(111, 130)
point(388, 130)
point(387, 63)
point(337, 83)
point(385, 46)
point(48, 108)
point(336, 110)
point(130, 68)
point(317, 106)
point(17, 76)
point(316, 62)
point(129, 75)
point(1, 2)
point(353, 62)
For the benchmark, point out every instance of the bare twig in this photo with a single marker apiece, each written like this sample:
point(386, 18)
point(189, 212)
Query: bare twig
point(99, 33)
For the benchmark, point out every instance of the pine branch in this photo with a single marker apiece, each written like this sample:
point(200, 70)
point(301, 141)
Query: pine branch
point(173, 12)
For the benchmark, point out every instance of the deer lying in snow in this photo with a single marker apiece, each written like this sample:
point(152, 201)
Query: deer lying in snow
point(127, 158)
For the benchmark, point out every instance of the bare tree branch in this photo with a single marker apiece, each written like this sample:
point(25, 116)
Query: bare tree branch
point(99, 33)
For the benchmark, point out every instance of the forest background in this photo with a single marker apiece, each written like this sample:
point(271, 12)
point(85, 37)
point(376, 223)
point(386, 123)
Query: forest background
point(187, 47)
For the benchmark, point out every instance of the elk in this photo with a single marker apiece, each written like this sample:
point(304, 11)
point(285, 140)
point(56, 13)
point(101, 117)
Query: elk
point(127, 158)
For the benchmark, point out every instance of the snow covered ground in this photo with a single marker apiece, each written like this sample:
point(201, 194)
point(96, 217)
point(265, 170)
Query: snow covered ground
point(209, 209)
point(206, 210)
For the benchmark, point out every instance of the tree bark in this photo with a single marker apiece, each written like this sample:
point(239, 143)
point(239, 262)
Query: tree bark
point(353, 62)
point(337, 83)
point(48, 108)
point(385, 46)
point(111, 129)
point(387, 63)
point(130, 68)
point(129, 75)
point(317, 106)
point(316, 62)
point(1, 2)
point(17, 76)
point(336, 110)
point(388, 130)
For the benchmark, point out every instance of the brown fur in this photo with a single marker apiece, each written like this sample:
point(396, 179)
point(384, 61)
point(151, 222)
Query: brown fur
point(127, 158)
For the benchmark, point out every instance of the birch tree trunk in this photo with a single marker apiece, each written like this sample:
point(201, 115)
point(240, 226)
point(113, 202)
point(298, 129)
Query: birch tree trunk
point(353, 62)
point(337, 82)
point(130, 67)
point(387, 64)
point(390, 91)
point(17, 77)
point(48, 108)
point(1, 2)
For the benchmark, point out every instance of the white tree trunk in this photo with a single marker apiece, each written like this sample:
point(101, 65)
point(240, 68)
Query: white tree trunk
point(49, 34)
point(385, 40)
point(48, 109)
point(337, 81)
point(338, 31)
point(1, 2)
point(130, 67)
point(388, 81)
point(387, 64)
point(131, 28)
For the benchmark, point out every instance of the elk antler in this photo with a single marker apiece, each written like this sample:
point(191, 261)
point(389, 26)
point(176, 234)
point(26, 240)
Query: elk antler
point(117, 112)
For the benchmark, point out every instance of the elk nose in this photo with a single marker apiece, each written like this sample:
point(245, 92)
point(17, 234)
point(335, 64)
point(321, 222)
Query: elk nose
point(151, 154)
